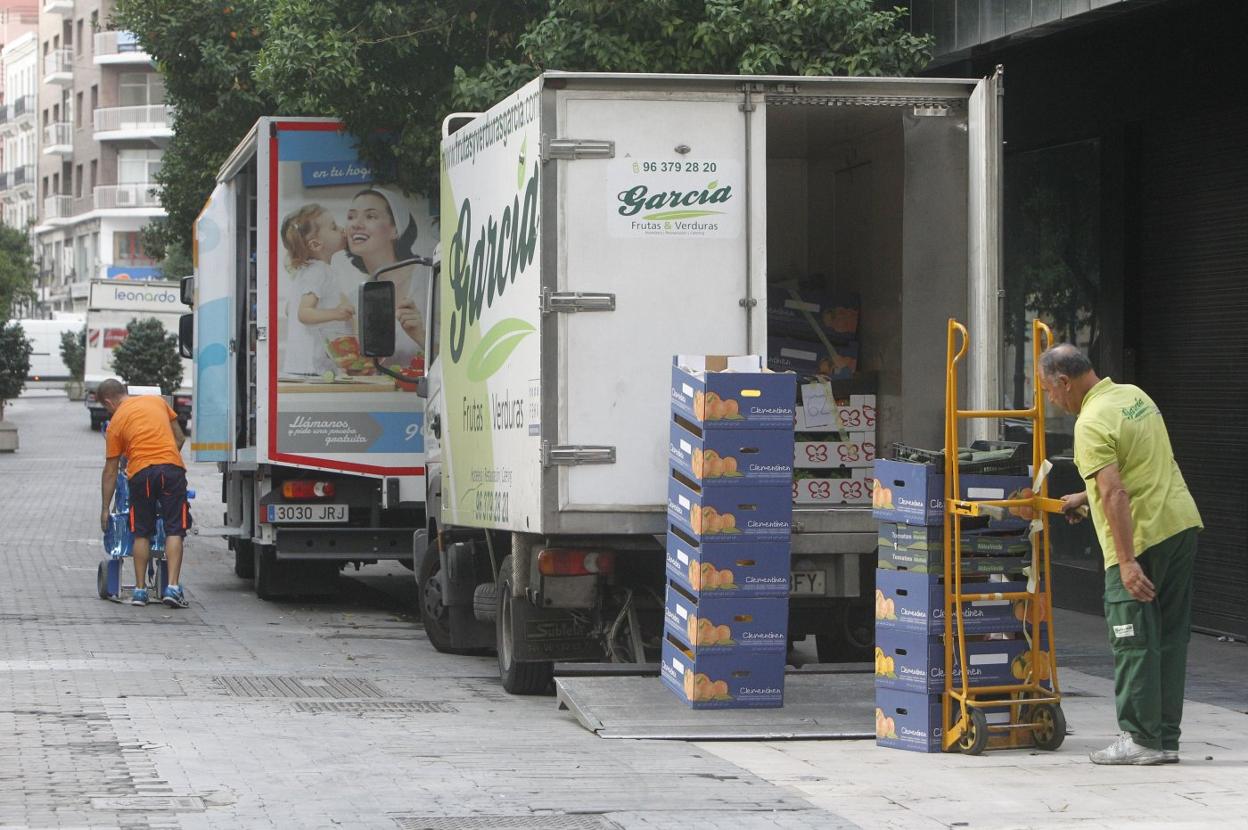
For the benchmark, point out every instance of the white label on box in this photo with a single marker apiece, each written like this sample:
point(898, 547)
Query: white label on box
point(682, 556)
point(987, 493)
point(989, 659)
point(676, 664)
point(818, 405)
point(798, 305)
point(798, 354)
point(685, 447)
point(684, 502)
point(681, 612)
point(687, 389)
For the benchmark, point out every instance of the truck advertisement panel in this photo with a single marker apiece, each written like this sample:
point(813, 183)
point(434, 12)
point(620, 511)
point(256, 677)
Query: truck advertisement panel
point(331, 226)
point(489, 343)
point(213, 253)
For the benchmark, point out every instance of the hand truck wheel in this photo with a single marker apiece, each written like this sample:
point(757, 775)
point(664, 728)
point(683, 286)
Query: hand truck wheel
point(975, 736)
point(101, 580)
point(1048, 725)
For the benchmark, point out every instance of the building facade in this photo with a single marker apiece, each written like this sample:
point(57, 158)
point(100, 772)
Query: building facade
point(1126, 227)
point(103, 126)
point(18, 122)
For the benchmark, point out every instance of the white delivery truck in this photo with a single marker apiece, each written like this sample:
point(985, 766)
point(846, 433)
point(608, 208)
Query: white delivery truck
point(594, 226)
point(111, 306)
point(321, 455)
point(45, 346)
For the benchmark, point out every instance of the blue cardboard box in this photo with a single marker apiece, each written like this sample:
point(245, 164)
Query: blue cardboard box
point(720, 622)
point(726, 680)
point(737, 457)
point(743, 514)
point(912, 661)
point(812, 357)
point(916, 602)
point(834, 314)
point(758, 569)
point(908, 720)
point(715, 392)
point(920, 549)
point(914, 494)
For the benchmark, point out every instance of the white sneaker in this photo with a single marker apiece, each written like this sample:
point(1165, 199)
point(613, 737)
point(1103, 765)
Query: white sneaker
point(1169, 756)
point(1126, 751)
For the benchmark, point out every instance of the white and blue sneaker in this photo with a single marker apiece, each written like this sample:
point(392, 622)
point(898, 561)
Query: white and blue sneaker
point(1125, 751)
point(139, 597)
point(174, 598)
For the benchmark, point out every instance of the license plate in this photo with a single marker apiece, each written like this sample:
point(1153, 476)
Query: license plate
point(808, 582)
point(295, 513)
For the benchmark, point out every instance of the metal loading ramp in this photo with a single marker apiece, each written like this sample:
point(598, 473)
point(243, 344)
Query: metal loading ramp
point(831, 706)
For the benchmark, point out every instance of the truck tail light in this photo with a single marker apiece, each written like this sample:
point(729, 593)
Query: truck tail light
point(90, 397)
point(307, 489)
point(181, 400)
point(561, 562)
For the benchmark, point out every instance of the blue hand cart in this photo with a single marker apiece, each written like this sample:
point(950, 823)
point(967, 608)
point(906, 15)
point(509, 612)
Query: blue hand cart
point(110, 576)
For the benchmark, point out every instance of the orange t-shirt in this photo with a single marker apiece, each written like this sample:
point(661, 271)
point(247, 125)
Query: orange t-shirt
point(140, 431)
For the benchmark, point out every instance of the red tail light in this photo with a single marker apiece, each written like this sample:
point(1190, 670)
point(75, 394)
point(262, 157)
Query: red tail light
point(559, 562)
point(181, 400)
point(307, 489)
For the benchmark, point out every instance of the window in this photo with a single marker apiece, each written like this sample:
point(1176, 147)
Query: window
point(78, 45)
point(95, 97)
point(82, 257)
point(95, 169)
point(140, 89)
point(78, 111)
point(78, 181)
point(128, 249)
point(137, 166)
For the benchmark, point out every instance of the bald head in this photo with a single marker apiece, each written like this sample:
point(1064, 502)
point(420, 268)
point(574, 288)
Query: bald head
point(111, 392)
point(1067, 375)
point(1065, 359)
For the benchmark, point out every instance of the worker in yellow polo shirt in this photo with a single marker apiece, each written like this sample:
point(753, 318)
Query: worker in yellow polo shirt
point(1146, 522)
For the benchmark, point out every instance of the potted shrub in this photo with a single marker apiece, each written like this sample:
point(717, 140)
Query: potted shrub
point(14, 367)
point(74, 356)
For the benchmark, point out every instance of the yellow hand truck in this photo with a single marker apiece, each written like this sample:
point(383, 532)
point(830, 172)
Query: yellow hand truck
point(1035, 710)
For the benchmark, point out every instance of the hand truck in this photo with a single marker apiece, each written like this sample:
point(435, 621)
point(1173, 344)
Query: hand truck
point(1035, 709)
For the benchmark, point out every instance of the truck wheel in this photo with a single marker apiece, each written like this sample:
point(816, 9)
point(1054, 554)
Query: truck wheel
point(485, 602)
point(435, 616)
point(850, 634)
point(518, 678)
point(265, 573)
point(244, 558)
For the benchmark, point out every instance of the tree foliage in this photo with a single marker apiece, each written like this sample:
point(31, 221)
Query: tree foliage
point(149, 356)
point(17, 270)
point(206, 51)
point(14, 362)
point(74, 352)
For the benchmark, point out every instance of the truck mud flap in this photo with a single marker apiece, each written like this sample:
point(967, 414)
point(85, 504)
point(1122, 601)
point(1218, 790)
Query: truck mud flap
point(554, 634)
point(344, 543)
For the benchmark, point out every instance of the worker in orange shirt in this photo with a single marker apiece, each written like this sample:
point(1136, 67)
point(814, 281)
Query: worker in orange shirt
point(145, 430)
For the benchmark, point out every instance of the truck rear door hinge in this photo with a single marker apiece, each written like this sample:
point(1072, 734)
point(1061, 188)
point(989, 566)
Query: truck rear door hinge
point(570, 456)
point(571, 149)
point(570, 302)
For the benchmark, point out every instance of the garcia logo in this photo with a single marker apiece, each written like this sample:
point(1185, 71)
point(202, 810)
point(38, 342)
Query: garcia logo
point(481, 267)
point(639, 197)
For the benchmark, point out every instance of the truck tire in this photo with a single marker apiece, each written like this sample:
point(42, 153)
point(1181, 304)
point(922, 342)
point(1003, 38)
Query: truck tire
point(435, 616)
point(849, 635)
point(244, 558)
point(518, 678)
point(485, 602)
point(266, 574)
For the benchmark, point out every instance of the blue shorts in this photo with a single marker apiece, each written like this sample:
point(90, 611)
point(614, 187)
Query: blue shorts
point(159, 490)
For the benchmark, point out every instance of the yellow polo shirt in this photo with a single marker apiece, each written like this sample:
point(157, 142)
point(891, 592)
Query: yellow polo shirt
point(1119, 423)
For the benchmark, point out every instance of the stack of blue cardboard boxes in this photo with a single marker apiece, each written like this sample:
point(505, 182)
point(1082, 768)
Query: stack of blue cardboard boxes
point(730, 508)
point(908, 501)
point(813, 332)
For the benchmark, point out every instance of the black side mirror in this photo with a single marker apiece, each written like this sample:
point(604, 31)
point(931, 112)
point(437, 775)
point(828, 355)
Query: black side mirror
point(186, 335)
point(188, 291)
point(376, 318)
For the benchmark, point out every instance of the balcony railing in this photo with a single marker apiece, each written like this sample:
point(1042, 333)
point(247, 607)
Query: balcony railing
point(127, 196)
point(58, 66)
point(57, 207)
point(5, 181)
point(119, 47)
point(23, 175)
point(153, 118)
point(58, 138)
point(58, 6)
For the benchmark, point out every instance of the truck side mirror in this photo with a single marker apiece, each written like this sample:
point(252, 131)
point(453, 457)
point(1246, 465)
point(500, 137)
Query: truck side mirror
point(376, 318)
point(188, 291)
point(186, 335)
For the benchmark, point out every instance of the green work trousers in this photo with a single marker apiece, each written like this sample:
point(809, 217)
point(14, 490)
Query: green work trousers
point(1149, 640)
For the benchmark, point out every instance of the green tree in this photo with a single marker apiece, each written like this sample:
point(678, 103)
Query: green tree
point(74, 352)
point(149, 356)
point(176, 264)
point(17, 271)
point(14, 362)
point(206, 52)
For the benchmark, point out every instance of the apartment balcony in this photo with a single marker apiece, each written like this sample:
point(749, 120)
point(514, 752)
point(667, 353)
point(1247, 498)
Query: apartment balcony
point(6, 181)
point(23, 175)
point(112, 48)
point(130, 123)
point(58, 67)
point(62, 7)
point(23, 112)
point(57, 207)
point(111, 196)
point(58, 139)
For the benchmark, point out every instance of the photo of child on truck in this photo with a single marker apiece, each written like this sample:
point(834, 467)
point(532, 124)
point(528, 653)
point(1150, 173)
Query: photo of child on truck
point(320, 316)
